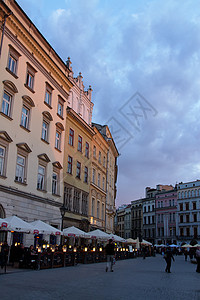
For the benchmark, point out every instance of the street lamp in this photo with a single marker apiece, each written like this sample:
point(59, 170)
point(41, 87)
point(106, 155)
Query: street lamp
point(62, 211)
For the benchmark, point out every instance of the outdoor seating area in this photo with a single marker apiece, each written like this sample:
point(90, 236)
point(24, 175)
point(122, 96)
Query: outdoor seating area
point(69, 247)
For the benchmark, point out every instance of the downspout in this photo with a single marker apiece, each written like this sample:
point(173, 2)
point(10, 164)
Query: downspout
point(3, 30)
point(106, 189)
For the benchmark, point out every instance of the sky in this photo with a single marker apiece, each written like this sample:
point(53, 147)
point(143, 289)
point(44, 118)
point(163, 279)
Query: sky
point(142, 59)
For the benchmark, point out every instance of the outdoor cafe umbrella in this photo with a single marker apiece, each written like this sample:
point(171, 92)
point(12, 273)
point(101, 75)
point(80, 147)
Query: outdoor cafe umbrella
point(173, 246)
point(131, 241)
point(74, 232)
point(41, 227)
point(98, 234)
point(146, 243)
point(197, 245)
point(14, 223)
point(116, 238)
point(186, 246)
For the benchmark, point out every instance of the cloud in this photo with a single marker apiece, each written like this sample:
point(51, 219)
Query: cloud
point(146, 46)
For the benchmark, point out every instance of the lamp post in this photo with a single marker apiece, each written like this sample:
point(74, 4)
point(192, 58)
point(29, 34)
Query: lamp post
point(62, 211)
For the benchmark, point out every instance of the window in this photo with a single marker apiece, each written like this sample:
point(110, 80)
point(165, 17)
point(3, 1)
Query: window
point(76, 201)
point(86, 175)
point(71, 137)
point(98, 204)
point(104, 161)
point(145, 220)
point(25, 117)
point(99, 178)
point(181, 206)
point(55, 183)
point(30, 76)
point(48, 95)
point(13, 57)
point(45, 126)
point(170, 202)
point(8, 98)
point(20, 169)
point(187, 206)
point(21, 164)
point(41, 178)
point(79, 143)
point(84, 204)
point(93, 207)
point(100, 157)
point(87, 150)
point(103, 212)
point(2, 159)
point(195, 232)
point(58, 140)
point(149, 220)
point(194, 205)
point(181, 218)
point(158, 204)
point(195, 217)
point(153, 219)
point(26, 112)
point(6, 104)
point(187, 218)
point(187, 231)
point(94, 151)
point(181, 232)
point(103, 183)
point(60, 107)
point(174, 217)
point(78, 170)
point(12, 64)
point(67, 197)
point(93, 175)
point(69, 166)
point(42, 172)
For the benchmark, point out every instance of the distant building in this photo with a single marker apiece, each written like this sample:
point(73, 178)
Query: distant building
point(137, 218)
point(188, 227)
point(166, 218)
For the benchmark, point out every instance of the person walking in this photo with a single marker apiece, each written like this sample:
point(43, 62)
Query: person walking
point(186, 254)
point(168, 258)
point(198, 260)
point(110, 252)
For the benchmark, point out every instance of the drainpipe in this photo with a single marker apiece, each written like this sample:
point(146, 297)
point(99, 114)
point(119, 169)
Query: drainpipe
point(106, 189)
point(3, 30)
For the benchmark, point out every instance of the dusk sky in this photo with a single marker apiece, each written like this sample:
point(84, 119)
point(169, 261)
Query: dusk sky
point(142, 59)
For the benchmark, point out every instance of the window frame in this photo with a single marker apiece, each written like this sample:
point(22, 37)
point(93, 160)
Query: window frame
point(78, 170)
point(30, 74)
point(61, 102)
point(87, 147)
point(71, 137)
point(22, 151)
point(14, 55)
point(69, 164)
point(80, 143)
point(48, 91)
point(86, 174)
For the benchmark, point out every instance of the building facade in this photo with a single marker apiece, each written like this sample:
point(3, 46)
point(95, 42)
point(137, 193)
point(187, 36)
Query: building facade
point(166, 217)
point(137, 218)
point(188, 211)
point(34, 83)
point(77, 170)
point(98, 175)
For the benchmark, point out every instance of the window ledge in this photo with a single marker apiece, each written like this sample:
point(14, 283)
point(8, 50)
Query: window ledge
point(43, 191)
point(19, 182)
point(28, 87)
point(57, 195)
point(70, 174)
point(3, 176)
point(78, 178)
point(13, 74)
point(4, 115)
point(58, 149)
point(60, 116)
point(24, 128)
point(45, 141)
point(49, 106)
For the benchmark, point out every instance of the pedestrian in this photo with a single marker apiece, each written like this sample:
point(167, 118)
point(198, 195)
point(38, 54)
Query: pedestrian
point(186, 254)
point(4, 254)
point(168, 258)
point(110, 252)
point(198, 259)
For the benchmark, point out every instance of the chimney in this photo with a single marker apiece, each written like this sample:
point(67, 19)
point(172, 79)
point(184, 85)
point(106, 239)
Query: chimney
point(89, 92)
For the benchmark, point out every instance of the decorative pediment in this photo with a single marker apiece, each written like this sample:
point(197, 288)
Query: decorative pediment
point(57, 165)
point(24, 146)
point(5, 136)
point(10, 85)
point(60, 126)
point(47, 115)
point(28, 100)
point(44, 157)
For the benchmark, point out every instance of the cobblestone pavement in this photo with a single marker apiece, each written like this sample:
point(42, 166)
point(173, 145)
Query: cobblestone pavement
point(131, 279)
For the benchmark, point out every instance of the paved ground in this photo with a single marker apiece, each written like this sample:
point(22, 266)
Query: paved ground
point(131, 279)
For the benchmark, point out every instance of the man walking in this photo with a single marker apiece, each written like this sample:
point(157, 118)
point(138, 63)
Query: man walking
point(168, 258)
point(110, 252)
